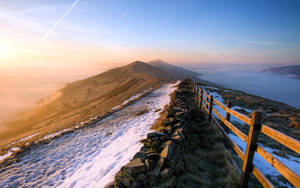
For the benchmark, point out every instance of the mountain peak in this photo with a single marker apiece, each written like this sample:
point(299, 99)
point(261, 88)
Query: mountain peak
point(157, 61)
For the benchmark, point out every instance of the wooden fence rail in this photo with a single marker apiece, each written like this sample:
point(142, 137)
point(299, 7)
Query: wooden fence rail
point(206, 102)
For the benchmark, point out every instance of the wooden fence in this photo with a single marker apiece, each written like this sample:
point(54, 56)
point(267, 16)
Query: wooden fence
point(207, 102)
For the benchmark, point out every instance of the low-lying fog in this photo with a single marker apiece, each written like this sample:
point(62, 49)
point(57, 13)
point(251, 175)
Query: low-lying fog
point(250, 79)
point(22, 89)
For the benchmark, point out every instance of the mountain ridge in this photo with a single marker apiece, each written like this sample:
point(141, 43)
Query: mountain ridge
point(292, 69)
point(85, 99)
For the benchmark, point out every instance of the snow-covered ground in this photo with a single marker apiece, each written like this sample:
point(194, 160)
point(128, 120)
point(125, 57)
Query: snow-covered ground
point(292, 162)
point(132, 98)
point(91, 156)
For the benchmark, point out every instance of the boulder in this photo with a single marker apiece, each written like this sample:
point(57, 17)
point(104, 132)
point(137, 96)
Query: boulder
point(180, 115)
point(150, 164)
point(168, 150)
point(155, 172)
point(178, 138)
point(155, 135)
point(167, 129)
point(141, 155)
point(166, 173)
point(135, 166)
point(154, 156)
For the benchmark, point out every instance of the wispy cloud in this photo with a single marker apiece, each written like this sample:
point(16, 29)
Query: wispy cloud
point(275, 43)
point(48, 33)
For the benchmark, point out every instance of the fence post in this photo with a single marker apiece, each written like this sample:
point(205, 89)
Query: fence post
point(211, 99)
point(201, 98)
point(197, 93)
point(227, 116)
point(247, 168)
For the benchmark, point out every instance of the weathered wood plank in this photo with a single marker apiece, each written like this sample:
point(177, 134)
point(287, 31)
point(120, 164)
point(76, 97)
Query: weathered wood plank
point(220, 104)
point(240, 116)
point(211, 100)
point(291, 176)
point(228, 114)
point(247, 168)
point(229, 141)
point(204, 106)
point(261, 178)
point(206, 102)
point(289, 142)
point(207, 96)
point(232, 127)
point(201, 98)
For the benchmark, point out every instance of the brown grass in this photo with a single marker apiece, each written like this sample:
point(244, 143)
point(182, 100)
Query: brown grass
point(77, 102)
point(207, 162)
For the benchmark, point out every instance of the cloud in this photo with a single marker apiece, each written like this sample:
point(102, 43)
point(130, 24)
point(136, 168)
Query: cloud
point(48, 33)
point(275, 43)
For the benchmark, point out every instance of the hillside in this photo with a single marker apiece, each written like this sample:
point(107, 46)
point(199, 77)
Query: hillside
point(293, 70)
point(85, 99)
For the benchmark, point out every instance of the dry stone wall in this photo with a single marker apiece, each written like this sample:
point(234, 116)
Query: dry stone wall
point(160, 159)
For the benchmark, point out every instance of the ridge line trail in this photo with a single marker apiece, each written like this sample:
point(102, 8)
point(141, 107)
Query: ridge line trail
point(91, 156)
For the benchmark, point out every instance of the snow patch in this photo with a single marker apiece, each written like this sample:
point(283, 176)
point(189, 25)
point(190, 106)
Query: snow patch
point(291, 161)
point(132, 98)
point(28, 137)
point(120, 148)
point(10, 152)
point(91, 156)
point(52, 135)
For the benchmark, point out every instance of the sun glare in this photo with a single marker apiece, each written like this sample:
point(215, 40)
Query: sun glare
point(4, 51)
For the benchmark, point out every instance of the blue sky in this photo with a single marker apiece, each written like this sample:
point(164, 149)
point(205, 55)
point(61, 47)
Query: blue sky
point(176, 31)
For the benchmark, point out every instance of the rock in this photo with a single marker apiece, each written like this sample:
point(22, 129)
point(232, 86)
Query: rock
point(177, 109)
point(177, 125)
point(179, 131)
point(164, 138)
point(180, 115)
point(168, 150)
point(141, 177)
point(155, 135)
point(150, 164)
point(154, 156)
point(171, 119)
point(155, 172)
point(135, 166)
point(166, 173)
point(141, 155)
point(110, 185)
point(178, 138)
point(144, 140)
point(122, 180)
point(167, 129)
point(171, 182)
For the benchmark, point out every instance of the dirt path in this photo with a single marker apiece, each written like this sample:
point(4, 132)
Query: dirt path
point(207, 162)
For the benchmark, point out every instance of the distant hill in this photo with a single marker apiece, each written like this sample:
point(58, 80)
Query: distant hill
point(293, 70)
point(178, 71)
point(85, 99)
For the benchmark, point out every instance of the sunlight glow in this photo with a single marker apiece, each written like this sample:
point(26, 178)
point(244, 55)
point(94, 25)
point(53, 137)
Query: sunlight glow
point(4, 51)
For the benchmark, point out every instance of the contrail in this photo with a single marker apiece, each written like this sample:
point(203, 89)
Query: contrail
point(46, 35)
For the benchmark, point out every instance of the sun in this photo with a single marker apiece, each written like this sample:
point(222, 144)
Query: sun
point(5, 51)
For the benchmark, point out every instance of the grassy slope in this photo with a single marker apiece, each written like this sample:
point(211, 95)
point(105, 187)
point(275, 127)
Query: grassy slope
point(84, 99)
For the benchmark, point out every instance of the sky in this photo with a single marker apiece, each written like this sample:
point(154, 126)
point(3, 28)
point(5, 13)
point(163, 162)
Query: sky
point(80, 33)
point(47, 44)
